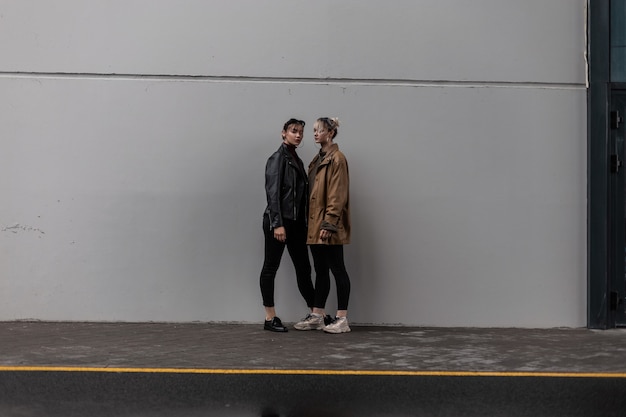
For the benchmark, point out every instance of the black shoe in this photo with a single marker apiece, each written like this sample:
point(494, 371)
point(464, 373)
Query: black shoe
point(274, 325)
point(328, 319)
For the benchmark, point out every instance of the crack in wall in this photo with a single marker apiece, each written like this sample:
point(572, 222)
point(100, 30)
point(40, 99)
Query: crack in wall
point(16, 228)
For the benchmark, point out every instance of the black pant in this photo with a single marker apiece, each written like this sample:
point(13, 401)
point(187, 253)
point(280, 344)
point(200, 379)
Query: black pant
point(330, 258)
point(297, 248)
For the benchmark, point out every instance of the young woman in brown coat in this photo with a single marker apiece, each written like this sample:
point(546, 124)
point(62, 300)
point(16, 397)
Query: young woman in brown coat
point(328, 227)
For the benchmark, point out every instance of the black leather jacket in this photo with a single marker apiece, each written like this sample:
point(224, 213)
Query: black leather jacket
point(286, 187)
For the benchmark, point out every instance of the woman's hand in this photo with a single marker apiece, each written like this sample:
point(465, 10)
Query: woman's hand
point(325, 235)
point(280, 234)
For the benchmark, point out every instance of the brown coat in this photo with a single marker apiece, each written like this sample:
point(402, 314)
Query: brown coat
point(329, 200)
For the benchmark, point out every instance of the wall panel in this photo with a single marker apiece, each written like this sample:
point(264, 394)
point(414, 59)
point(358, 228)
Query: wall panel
point(141, 199)
point(531, 41)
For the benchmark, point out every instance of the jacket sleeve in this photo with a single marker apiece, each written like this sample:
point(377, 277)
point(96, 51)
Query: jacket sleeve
point(273, 180)
point(338, 183)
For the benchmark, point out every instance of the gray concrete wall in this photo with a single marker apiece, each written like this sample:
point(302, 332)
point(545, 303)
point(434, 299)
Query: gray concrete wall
point(134, 136)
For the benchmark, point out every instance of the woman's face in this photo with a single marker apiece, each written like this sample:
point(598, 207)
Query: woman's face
point(293, 135)
point(321, 134)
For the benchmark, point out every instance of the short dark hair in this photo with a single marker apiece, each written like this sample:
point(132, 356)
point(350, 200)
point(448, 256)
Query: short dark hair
point(293, 121)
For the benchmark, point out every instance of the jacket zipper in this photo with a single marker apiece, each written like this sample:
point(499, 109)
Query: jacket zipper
point(293, 186)
point(295, 215)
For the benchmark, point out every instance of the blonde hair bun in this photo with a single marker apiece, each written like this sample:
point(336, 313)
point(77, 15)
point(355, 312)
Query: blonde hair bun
point(335, 121)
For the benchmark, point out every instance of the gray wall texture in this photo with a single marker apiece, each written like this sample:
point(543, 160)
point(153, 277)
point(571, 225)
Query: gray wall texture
point(134, 136)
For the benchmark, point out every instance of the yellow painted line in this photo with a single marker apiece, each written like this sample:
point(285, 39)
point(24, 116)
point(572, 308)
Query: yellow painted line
point(311, 372)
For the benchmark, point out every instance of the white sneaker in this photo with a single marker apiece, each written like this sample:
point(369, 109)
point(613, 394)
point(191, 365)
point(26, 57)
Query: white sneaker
point(340, 325)
point(310, 322)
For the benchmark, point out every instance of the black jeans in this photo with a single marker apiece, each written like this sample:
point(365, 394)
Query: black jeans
point(297, 248)
point(330, 258)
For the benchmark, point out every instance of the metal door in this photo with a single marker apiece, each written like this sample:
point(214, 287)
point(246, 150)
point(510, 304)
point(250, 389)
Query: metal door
point(617, 211)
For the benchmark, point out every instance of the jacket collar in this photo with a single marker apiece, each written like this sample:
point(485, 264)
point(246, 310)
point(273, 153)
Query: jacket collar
point(285, 151)
point(287, 154)
point(329, 154)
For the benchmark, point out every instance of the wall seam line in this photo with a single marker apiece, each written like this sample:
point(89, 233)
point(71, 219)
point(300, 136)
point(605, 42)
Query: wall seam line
point(292, 80)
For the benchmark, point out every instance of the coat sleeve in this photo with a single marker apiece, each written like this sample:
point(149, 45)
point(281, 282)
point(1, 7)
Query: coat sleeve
point(273, 180)
point(338, 183)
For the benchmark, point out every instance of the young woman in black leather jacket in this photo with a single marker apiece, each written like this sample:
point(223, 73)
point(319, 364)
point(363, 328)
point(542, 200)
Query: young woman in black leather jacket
point(284, 221)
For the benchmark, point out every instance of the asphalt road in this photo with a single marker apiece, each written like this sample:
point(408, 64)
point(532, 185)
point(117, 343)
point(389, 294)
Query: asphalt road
point(122, 394)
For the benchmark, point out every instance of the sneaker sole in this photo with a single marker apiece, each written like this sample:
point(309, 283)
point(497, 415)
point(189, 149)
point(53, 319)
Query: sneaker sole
point(307, 328)
point(337, 331)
